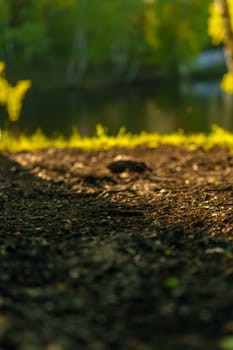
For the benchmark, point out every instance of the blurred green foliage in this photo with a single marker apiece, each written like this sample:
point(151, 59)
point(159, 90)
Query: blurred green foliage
point(125, 35)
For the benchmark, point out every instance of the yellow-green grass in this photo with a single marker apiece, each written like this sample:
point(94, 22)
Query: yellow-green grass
point(101, 140)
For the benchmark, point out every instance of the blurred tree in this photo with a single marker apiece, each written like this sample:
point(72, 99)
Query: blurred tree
point(125, 34)
point(111, 36)
point(60, 19)
point(135, 32)
point(221, 30)
point(6, 40)
point(23, 36)
point(178, 29)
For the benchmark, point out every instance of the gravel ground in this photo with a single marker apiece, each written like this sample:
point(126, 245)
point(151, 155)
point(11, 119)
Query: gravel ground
point(118, 249)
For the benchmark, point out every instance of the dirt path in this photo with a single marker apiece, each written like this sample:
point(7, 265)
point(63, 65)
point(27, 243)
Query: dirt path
point(118, 249)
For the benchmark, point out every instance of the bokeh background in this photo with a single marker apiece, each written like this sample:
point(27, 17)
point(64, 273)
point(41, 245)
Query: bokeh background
point(143, 64)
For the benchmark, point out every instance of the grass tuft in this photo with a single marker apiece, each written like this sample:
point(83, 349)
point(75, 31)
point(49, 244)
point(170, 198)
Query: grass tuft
point(101, 140)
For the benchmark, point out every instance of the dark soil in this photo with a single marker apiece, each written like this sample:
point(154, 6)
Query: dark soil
point(119, 249)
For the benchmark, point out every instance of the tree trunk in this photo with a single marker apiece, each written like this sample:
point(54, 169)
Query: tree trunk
point(228, 33)
point(77, 64)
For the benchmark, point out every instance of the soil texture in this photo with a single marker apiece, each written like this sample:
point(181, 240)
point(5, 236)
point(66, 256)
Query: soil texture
point(118, 249)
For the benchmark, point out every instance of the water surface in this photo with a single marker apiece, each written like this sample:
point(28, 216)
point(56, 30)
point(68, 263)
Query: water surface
point(164, 108)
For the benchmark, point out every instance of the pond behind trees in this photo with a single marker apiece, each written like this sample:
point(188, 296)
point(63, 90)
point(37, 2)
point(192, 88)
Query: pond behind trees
point(157, 107)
